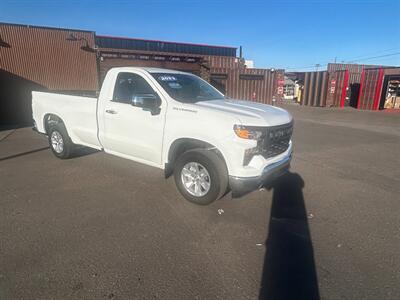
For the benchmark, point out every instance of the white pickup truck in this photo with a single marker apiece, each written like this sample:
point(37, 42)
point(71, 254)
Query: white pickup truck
point(174, 121)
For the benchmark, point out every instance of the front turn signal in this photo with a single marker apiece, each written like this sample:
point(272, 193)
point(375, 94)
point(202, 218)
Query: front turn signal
point(246, 132)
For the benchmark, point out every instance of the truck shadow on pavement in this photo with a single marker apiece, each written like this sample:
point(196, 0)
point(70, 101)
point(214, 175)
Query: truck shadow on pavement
point(23, 153)
point(81, 151)
point(289, 268)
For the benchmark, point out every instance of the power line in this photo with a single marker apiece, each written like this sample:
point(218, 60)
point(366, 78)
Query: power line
point(361, 58)
point(372, 53)
point(307, 67)
point(373, 57)
point(353, 61)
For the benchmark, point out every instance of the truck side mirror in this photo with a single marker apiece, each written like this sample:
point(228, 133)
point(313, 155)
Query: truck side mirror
point(149, 102)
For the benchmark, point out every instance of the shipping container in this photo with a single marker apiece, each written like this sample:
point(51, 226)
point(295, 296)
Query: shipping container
point(314, 88)
point(353, 69)
point(338, 85)
point(259, 85)
point(373, 87)
point(223, 62)
point(330, 89)
point(354, 81)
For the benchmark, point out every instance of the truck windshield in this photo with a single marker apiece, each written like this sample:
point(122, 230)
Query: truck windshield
point(187, 88)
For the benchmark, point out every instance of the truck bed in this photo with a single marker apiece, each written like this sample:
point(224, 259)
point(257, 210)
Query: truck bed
point(77, 112)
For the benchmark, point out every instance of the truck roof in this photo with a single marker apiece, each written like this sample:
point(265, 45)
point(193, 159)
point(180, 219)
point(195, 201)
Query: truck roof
point(150, 70)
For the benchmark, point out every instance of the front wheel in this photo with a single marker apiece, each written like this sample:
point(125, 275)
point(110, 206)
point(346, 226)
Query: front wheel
point(201, 176)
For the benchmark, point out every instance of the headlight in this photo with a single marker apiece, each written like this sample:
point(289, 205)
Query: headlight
point(247, 132)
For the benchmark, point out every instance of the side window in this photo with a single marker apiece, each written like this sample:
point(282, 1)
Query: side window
point(129, 85)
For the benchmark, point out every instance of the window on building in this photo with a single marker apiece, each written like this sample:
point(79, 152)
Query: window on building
point(251, 77)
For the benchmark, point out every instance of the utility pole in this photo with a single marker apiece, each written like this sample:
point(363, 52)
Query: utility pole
point(316, 67)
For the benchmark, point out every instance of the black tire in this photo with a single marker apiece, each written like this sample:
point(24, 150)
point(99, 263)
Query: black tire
point(216, 169)
point(58, 129)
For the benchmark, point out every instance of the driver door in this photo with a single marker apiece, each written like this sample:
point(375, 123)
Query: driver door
point(131, 131)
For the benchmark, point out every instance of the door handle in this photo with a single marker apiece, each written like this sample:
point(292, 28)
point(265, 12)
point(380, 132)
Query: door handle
point(111, 111)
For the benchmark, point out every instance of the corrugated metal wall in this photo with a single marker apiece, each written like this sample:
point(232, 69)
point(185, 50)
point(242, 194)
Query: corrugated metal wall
point(226, 73)
point(259, 85)
point(43, 55)
point(337, 85)
point(337, 88)
point(223, 62)
point(371, 87)
point(354, 70)
point(107, 63)
point(38, 58)
point(368, 90)
point(325, 88)
point(194, 63)
point(315, 86)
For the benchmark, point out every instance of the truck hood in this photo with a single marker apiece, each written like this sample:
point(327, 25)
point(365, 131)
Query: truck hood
point(249, 113)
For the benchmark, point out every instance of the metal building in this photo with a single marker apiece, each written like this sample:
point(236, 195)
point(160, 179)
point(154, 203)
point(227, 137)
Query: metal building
point(259, 85)
point(61, 59)
point(117, 52)
point(216, 64)
point(41, 58)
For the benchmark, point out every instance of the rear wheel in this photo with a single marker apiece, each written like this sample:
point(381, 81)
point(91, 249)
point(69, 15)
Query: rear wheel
point(201, 176)
point(60, 143)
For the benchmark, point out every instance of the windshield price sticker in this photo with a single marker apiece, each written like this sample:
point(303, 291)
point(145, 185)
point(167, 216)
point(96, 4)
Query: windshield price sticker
point(167, 78)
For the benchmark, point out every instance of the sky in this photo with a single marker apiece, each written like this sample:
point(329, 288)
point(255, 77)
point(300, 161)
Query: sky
point(295, 35)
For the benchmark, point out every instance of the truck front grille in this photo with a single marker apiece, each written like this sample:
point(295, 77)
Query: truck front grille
point(276, 140)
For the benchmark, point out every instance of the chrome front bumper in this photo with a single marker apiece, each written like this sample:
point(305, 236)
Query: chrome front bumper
point(243, 185)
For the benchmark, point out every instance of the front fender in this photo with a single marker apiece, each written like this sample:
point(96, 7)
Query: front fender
point(223, 146)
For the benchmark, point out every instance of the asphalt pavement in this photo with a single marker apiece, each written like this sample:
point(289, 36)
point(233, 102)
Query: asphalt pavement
point(102, 227)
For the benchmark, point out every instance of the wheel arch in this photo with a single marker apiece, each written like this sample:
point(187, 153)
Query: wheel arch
point(50, 118)
point(182, 145)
